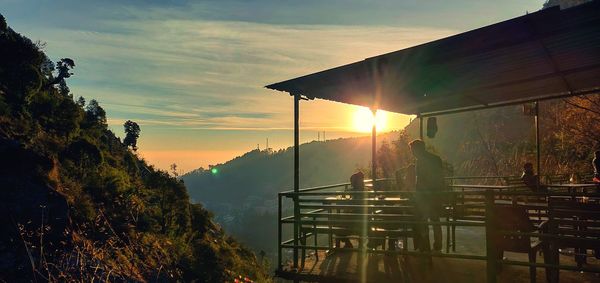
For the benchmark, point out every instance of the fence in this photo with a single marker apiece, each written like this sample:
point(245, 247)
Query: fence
point(335, 212)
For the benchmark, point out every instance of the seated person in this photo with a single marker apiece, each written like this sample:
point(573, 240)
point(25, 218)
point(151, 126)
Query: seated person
point(531, 180)
point(357, 183)
point(596, 163)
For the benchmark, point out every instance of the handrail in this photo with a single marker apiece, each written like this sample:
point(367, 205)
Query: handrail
point(366, 181)
point(478, 177)
point(323, 218)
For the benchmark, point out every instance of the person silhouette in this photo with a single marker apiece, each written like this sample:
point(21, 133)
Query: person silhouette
point(596, 163)
point(429, 183)
point(530, 179)
point(357, 183)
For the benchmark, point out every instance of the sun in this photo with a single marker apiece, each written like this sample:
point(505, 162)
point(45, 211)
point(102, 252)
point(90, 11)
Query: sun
point(363, 120)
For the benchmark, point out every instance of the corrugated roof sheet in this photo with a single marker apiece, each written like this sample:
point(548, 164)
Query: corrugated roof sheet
point(544, 54)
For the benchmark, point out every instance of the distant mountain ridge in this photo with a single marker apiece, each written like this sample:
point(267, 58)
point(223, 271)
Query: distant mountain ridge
point(263, 173)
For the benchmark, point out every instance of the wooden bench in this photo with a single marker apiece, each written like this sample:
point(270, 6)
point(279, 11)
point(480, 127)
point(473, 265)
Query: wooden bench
point(586, 177)
point(578, 226)
point(346, 222)
point(515, 218)
point(558, 179)
point(513, 181)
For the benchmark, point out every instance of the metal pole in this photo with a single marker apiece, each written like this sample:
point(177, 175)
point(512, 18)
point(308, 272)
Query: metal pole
point(537, 140)
point(420, 127)
point(279, 232)
point(374, 149)
point(491, 253)
point(296, 175)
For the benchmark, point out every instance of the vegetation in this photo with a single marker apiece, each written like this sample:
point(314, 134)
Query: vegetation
point(78, 205)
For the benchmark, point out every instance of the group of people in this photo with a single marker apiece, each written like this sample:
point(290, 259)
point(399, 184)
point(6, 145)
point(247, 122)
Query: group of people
point(426, 176)
point(531, 180)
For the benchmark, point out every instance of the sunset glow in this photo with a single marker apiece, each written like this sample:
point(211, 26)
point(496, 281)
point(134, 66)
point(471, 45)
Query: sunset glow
point(363, 120)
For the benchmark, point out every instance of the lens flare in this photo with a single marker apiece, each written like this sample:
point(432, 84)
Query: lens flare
point(363, 120)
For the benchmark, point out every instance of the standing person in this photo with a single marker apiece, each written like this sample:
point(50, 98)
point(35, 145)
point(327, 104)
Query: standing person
point(430, 181)
point(596, 163)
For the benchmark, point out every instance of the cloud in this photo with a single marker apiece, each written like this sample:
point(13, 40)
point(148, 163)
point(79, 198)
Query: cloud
point(188, 73)
point(197, 68)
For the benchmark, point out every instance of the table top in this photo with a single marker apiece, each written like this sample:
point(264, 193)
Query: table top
point(496, 187)
point(588, 185)
point(390, 199)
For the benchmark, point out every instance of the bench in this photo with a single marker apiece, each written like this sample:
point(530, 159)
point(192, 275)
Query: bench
point(577, 225)
point(558, 179)
point(515, 218)
point(346, 222)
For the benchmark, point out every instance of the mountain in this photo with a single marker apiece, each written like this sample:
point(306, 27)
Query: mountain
point(78, 204)
point(261, 174)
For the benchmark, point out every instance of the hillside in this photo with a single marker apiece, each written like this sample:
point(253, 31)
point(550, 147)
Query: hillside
point(78, 204)
point(261, 174)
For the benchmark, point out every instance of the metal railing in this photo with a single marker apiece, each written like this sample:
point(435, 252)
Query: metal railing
point(329, 210)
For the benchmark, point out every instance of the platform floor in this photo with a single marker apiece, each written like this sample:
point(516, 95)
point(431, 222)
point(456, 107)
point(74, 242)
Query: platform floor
point(342, 266)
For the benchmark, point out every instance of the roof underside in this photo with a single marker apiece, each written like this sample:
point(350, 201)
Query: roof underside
point(545, 54)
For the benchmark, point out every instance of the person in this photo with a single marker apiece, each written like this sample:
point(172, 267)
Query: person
point(429, 181)
point(596, 163)
point(357, 183)
point(530, 179)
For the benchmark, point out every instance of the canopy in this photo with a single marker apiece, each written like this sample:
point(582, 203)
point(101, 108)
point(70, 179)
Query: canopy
point(547, 54)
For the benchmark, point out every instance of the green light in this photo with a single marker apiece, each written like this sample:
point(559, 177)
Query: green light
point(214, 171)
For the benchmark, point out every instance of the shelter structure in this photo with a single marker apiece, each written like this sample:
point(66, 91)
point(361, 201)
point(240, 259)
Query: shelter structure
point(548, 54)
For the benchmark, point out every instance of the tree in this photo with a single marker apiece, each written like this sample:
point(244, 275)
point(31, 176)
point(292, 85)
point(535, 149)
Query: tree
point(85, 154)
point(64, 67)
point(81, 102)
point(95, 113)
point(132, 133)
point(386, 159)
point(64, 89)
point(174, 170)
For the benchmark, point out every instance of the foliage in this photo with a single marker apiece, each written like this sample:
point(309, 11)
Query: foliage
point(132, 133)
point(128, 221)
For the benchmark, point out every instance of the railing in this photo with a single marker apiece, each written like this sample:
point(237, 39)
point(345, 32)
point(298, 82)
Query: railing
point(327, 210)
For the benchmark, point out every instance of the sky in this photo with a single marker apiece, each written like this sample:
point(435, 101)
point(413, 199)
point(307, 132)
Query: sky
point(192, 73)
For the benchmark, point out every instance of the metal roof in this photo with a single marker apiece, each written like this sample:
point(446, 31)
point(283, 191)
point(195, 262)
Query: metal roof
point(546, 54)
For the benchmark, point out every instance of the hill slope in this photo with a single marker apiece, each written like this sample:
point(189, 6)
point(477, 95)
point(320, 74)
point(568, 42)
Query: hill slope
point(263, 173)
point(78, 204)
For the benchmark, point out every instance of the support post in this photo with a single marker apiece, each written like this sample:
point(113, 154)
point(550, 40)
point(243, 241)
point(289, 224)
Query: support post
point(279, 232)
point(420, 127)
point(490, 245)
point(374, 149)
point(537, 141)
point(296, 175)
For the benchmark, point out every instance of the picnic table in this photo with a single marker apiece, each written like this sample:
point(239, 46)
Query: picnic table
point(574, 187)
point(379, 212)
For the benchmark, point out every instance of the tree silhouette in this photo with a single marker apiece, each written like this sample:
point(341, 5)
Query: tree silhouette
point(81, 101)
point(132, 133)
point(64, 67)
point(95, 113)
point(3, 26)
